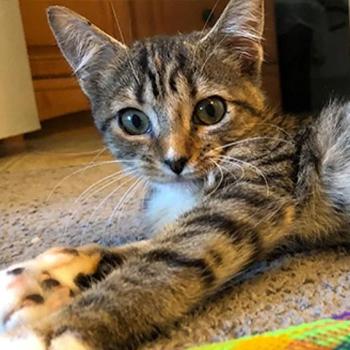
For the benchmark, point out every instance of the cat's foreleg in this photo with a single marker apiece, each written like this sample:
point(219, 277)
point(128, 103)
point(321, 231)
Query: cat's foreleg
point(170, 276)
point(32, 290)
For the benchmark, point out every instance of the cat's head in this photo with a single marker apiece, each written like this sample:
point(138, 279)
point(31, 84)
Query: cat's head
point(170, 105)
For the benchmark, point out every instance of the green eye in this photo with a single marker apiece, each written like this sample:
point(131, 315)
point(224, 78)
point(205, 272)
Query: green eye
point(209, 111)
point(134, 122)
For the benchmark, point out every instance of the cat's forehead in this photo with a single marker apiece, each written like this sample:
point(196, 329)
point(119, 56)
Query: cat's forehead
point(169, 76)
point(179, 65)
point(159, 69)
point(166, 48)
point(165, 74)
point(163, 56)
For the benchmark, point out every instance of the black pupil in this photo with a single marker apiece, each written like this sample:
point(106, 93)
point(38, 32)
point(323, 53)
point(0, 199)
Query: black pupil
point(136, 121)
point(210, 109)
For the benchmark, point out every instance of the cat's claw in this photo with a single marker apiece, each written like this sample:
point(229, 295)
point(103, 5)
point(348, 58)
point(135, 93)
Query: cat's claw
point(32, 290)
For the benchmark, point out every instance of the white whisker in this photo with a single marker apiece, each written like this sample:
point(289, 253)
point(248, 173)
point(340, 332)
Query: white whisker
point(93, 214)
point(81, 170)
point(92, 188)
point(227, 169)
point(269, 216)
point(132, 189)
point(221, 179)
point(279, 129)
point(211, 54)
point(240, 167)
point(258, 138)
point(123, 41)
point(256, 169)
point(204, 28)
point(99, 154)
point(73, 154)
point(118, 177)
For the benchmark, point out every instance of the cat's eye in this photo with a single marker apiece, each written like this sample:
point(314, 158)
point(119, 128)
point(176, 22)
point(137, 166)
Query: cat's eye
point(209, 111)
point(134, 122)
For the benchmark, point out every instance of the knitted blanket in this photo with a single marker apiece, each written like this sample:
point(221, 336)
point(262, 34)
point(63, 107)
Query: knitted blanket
point(326, 334)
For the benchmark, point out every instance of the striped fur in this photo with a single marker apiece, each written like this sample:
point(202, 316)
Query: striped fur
point(255, 180)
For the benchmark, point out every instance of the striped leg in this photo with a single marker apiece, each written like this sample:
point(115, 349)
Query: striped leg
point(168, 277)
point(37, 288)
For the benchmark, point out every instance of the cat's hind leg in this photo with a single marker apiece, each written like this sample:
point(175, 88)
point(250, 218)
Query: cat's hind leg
point(323, 180)
point(332, 142)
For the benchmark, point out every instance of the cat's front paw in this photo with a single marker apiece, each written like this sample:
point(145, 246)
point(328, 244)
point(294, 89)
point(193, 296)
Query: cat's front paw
point(29, 340)
point(32, 290)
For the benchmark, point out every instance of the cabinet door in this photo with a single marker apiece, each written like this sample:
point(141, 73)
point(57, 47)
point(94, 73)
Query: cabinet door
point(151, 17)
point(56, 90)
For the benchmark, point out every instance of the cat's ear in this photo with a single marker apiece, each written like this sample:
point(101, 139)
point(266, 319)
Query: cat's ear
point(86, 48)
point(241, 27)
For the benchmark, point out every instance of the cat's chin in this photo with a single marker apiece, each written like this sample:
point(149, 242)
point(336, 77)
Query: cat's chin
point(178, 180)
point(171, 180)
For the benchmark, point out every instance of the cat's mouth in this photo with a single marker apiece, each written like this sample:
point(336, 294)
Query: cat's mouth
point(181, 179)
point(163, 175)
point(187, 178)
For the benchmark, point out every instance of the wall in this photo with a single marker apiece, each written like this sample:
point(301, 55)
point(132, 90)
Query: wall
point(18, 112)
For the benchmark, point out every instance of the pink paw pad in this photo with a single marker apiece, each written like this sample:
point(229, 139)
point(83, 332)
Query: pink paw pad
point(39, 287)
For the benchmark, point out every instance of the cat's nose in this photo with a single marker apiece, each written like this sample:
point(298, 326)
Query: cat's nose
point(176, 165)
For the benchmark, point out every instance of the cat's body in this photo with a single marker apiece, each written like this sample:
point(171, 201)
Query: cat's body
point(231, 180)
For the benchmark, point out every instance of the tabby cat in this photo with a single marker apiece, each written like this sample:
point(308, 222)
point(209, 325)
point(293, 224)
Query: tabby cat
point(231, 180)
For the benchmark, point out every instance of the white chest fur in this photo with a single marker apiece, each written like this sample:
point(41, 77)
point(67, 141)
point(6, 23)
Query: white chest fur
point(168, 202)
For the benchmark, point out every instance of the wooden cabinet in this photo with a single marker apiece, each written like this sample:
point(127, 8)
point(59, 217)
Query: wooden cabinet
point(152, 17)
point(56, 90)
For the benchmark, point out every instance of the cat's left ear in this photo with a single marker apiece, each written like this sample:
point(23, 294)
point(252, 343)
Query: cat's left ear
point(87, 49)
point(240, 28)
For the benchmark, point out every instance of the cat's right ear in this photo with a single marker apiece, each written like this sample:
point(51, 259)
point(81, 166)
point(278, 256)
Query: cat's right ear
point(240, 28)
point(86, 48)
